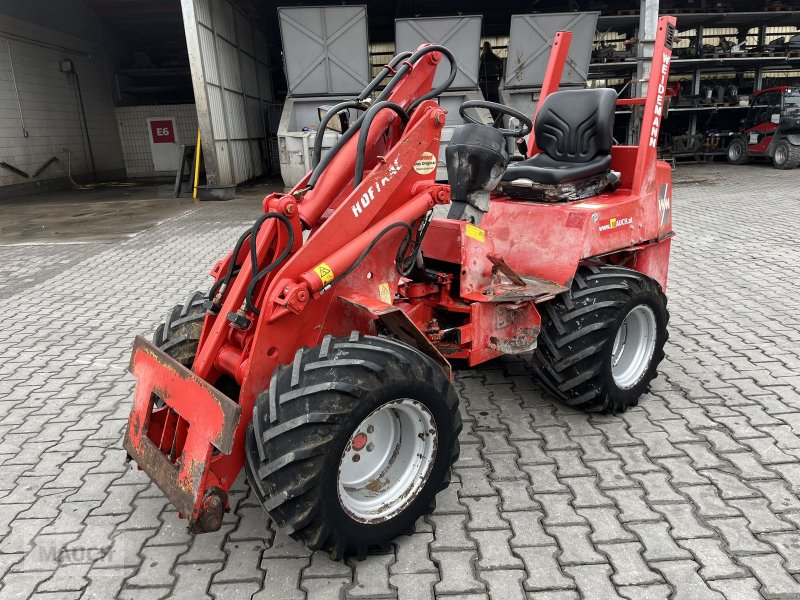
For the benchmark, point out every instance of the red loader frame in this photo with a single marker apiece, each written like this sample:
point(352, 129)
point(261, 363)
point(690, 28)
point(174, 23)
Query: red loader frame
point(189, 436)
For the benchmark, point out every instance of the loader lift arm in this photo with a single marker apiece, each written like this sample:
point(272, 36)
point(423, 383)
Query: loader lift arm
point(273, 276)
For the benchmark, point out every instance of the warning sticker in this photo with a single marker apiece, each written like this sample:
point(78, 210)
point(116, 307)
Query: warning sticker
point(425, 164)
point(386, 293)
point(324, 272)
point(476, 233)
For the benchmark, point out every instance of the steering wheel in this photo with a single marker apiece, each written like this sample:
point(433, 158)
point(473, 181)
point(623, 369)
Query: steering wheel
point(527, 124)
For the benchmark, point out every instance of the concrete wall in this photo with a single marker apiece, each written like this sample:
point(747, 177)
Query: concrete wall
point(135, 136)
point(40, 115)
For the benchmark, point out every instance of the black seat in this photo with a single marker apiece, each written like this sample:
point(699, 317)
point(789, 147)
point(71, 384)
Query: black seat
point(574, 130)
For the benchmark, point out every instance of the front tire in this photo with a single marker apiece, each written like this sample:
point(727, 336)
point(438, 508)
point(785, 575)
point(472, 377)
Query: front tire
point(352, 442)
point(737, 152)
point(179, 334)
point(786, 155)
point(601, 342)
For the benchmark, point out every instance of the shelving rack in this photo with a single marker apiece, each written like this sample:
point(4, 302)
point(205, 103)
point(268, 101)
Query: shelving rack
point(698, 28)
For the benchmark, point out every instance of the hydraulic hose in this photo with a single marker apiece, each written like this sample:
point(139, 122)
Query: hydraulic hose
point(317, 152)
point(405, 265)
point(256, 275)
point(396, 78)
point(369, 116)
point(372, 244)
point(389, 68)
point(232, 270)
point(360, 103)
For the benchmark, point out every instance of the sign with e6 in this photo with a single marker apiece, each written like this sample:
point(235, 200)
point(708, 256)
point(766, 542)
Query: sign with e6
point(162, 132)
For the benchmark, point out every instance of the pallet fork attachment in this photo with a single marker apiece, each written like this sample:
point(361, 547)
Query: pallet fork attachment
point(193, 415)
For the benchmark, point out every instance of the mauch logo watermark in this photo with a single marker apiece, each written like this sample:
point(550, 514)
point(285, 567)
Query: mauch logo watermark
point(368, 196)
point(99, 549)
point(75, 555)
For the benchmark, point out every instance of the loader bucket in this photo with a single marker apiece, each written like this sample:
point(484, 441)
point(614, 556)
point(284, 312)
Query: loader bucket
point(176, 421)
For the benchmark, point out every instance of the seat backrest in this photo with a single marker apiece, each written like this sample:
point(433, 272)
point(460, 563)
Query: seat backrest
point(576, 125)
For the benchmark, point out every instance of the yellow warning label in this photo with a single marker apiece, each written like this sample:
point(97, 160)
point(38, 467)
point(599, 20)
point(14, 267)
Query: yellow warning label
point(386, 293)
point(324, 272)
point(476, 233)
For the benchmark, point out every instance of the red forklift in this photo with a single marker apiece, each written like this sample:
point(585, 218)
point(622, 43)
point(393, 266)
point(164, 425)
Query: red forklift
point(771, 129)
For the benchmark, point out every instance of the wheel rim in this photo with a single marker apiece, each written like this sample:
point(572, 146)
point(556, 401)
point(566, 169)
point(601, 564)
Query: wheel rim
point(734, 151)
point(781, 154)
point(634, 345)
point(387, 460)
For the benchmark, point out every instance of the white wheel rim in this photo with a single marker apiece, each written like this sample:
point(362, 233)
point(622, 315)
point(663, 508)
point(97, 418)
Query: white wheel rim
point(387, 460)
point(780, 155)
point(734, 151)
point(634, 346)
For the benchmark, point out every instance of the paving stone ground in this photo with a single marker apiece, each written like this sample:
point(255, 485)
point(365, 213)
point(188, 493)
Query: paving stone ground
point(691, 495)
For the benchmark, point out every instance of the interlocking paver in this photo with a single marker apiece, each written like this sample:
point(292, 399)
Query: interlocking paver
point(495, 550)
point(558, 509)
point(527, 528)
point(586, 492)
point(515, 496)
point(417, 586)
point(450, 532)
point(484, 513)
point(605, 524)
point(505, 583)
point(710, 553)
point(657, 591)
point(629, 567)
point(658, 544)
point(457, 572)
point(694, 493)
point(682, 576)
point(737, 537)
point(593, 581)
point(788, 544)
point(545, 572)
point(576, 549)
point(738, 589)
point(283, 575)
point(683, 524)
point(371, 577)
point(776, 582)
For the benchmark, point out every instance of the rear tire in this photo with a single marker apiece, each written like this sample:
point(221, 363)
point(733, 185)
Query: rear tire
point(601, 342)
point(358, 396)
point(179, 334)
point(786, 156)
point(737, 152)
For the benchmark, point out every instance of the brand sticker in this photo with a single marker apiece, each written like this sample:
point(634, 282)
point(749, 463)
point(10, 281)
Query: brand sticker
point(664, 204)
point(614, 223)
point(324, 272)
point(385, 292)
point(476, 233)
point(425, 164)
point(375, 188)
point(658, 109)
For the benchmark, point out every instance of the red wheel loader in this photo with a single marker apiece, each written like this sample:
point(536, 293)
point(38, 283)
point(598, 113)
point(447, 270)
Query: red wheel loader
point(320, 359)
